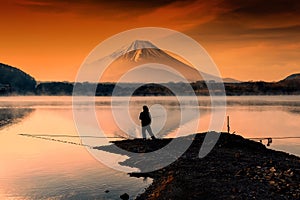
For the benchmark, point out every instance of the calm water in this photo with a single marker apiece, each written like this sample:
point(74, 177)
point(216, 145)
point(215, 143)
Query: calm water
point(34, 168)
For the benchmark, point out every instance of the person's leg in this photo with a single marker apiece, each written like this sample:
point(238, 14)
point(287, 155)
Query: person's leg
point(150, 131)
point(144, 132)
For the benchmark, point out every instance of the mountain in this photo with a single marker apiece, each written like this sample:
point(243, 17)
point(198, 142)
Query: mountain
point(15, 80)
point(230, 80)
point(293, 77)
point(150, 60)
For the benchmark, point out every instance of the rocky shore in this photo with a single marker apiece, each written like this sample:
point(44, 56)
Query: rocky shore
point(236, 168)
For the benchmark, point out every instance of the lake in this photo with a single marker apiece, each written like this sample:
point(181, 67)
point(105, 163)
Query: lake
point(51, 163)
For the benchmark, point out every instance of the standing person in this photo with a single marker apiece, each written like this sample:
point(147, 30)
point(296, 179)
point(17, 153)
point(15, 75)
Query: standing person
point(145, 118)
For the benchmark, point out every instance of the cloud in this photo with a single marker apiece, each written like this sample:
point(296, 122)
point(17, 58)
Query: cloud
point(264, 8)
point(93, 5)
point(143, 4)
point(192, 13)
point(265, 14)
point(182, 16)
point(252, 20)
point(43, 6)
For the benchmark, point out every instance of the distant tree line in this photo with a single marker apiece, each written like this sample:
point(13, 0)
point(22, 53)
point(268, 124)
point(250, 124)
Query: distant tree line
point(285, 87)
point(200, 88)
point(15, 81)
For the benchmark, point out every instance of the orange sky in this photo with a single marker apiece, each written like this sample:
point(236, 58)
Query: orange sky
point(248, 40)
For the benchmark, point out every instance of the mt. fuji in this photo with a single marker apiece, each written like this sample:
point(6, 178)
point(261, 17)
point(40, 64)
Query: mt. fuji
point(144, 53)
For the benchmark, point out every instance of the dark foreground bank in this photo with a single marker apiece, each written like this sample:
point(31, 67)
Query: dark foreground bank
point(236, 168)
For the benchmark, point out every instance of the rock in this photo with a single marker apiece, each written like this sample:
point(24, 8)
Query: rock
point(234, 190)
point(268, 177)
point(237, 155)
point(106, 191)
point(282, 180)
point(124, 196)
point(272, 169)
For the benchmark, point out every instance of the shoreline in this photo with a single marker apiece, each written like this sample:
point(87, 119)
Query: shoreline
point(155, 95)
point(9, 116)
point(236, 168)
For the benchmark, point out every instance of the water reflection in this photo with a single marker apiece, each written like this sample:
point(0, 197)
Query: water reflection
point(13, 115)
point(164, 122)
point(33, 168)
point(294, 110)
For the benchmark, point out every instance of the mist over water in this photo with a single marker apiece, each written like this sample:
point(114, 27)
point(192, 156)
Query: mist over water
point(38, 168)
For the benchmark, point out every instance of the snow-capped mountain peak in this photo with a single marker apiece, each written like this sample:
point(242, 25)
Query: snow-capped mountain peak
point(135, 50)
point(140, 44)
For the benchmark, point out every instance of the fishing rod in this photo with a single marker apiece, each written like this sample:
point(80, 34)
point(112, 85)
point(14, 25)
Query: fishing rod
point(49, 138)
point(270, 139)
point(276, 138)
point(56, 140)
point(260, 139)
point(71, 136)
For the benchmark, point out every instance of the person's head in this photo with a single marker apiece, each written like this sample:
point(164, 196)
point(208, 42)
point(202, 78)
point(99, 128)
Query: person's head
point(145, 108)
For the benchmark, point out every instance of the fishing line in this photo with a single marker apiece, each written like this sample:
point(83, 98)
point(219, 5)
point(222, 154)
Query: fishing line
point(49, 138)
point(274, 138)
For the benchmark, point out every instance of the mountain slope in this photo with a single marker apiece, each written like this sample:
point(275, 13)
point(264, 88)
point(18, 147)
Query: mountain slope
point(293, 77)
point(230, 80)
point(16, 80)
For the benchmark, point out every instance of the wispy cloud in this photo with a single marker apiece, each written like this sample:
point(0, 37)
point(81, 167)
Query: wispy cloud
point(93, 5)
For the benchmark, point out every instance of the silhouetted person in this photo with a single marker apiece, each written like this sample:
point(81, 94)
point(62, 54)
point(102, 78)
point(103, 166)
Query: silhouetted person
point(145, 118)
